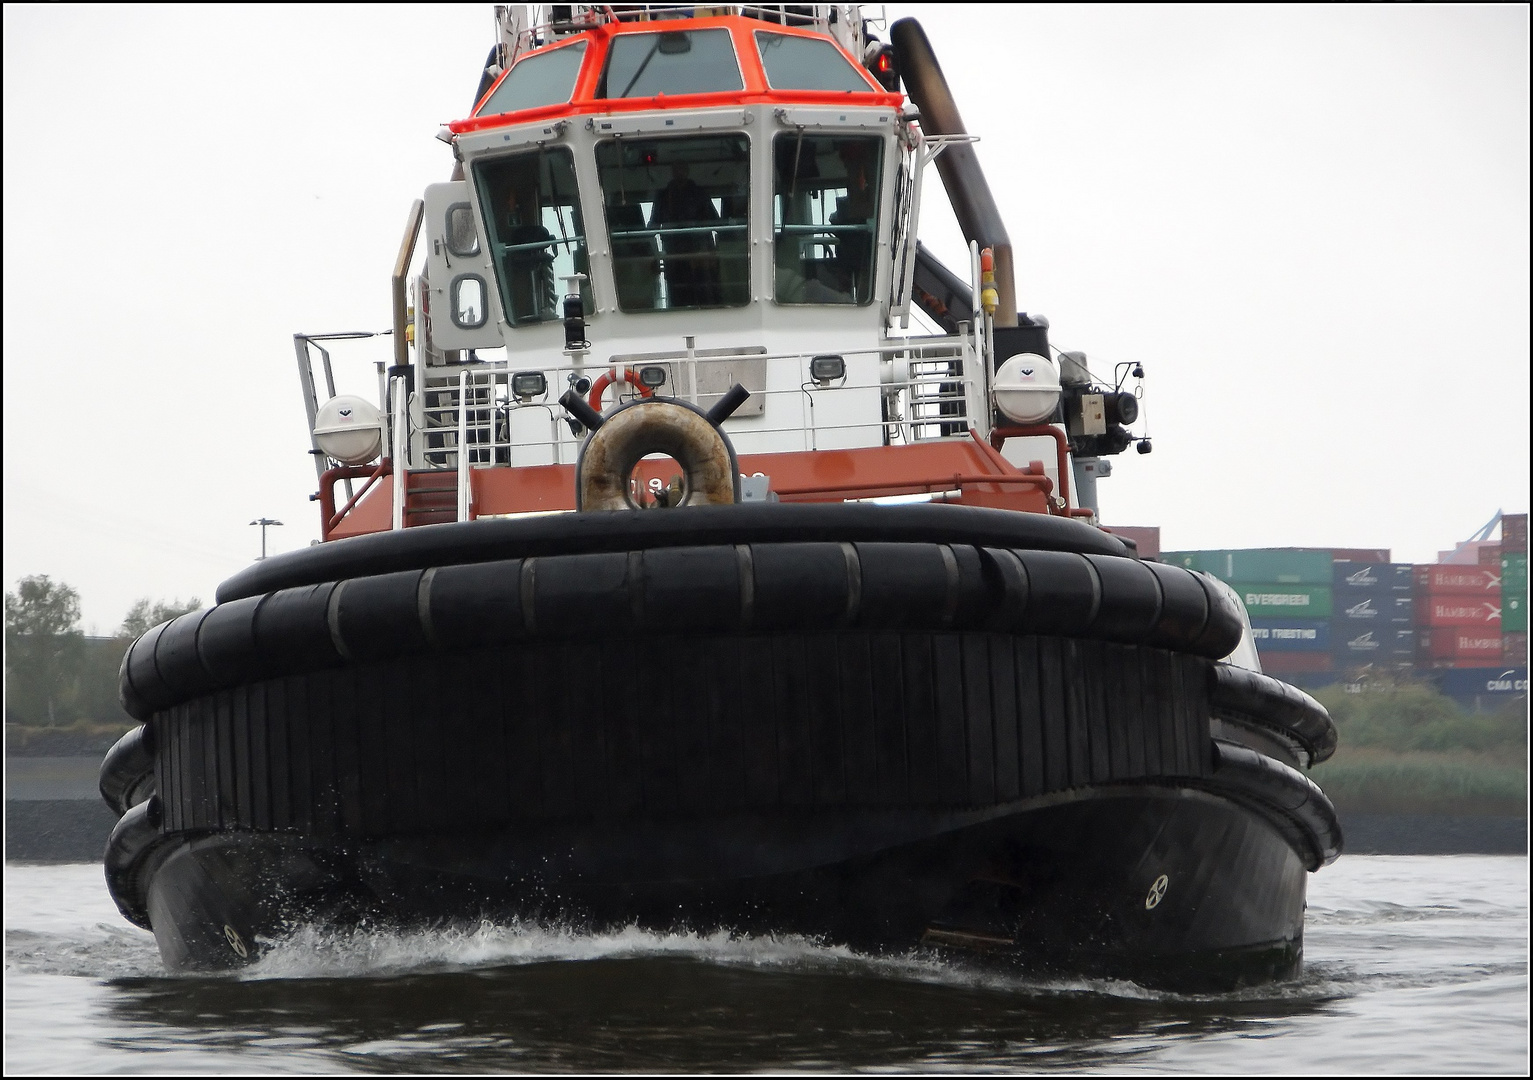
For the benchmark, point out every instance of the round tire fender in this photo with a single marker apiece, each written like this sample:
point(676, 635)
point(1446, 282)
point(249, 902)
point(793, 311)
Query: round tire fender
point(127, 773)
point(654, 426)
point(136, 834)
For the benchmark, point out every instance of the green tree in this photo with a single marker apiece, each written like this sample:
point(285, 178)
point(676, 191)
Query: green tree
point(146, 614)
point(42, 648)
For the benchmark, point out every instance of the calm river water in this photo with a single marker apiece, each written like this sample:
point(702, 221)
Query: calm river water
point(1415, 964)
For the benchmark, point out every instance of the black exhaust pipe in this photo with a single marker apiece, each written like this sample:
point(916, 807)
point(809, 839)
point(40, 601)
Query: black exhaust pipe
point(958, 166)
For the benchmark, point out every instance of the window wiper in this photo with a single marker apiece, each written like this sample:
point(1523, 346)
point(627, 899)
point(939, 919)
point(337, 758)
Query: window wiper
point(647, 58)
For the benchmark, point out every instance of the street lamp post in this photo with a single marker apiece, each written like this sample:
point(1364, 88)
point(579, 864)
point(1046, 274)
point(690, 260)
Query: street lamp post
point(264, 522)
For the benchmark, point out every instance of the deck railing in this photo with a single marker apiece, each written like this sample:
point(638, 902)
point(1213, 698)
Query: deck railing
point(464, 415)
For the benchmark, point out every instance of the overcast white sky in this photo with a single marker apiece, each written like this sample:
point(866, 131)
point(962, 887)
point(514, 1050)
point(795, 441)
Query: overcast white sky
point(1310, 224)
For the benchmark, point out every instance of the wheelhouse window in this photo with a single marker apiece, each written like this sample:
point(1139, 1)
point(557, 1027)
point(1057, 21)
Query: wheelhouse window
point(807, 63)
point(536, 234)
point(825, 217)
point(670, 62)
point(545, 78)
point(678, 213)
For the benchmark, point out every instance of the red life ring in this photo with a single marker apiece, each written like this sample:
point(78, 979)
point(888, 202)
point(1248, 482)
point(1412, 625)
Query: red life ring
point(607, 378)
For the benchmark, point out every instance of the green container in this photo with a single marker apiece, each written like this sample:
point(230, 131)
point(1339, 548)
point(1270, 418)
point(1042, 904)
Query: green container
point(1514, 593)
point(1286, 601)
point(1282, 566)
point(1514, 614)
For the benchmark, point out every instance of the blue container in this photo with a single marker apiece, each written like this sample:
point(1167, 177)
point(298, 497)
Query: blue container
point(1312, 680)
point(1483, 688)
point(1375, 607)
point(1291, 635)
point(1352, 642)
point(1360, 577)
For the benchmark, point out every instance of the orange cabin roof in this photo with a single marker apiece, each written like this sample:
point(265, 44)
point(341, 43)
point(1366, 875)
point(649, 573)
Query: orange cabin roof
point(741, 29)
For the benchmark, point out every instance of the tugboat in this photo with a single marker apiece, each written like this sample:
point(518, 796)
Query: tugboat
point(679, 582)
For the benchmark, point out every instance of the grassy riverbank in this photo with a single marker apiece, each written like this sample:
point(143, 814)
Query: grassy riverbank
point(1406, 749)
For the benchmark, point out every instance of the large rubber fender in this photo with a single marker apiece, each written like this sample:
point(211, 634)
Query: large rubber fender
point(127, 771)
point(135, 836)
point(812, 586)
point(1236, 693)
point(597, 531)
point(1289, 799)
point(656, 426)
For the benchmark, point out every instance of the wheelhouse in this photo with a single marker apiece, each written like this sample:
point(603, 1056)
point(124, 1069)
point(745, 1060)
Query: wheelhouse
point(645, 203)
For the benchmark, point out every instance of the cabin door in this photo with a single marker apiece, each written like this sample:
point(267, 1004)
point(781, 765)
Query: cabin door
point(461, 300)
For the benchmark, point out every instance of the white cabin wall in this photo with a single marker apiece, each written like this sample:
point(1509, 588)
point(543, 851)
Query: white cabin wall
point(847, 416)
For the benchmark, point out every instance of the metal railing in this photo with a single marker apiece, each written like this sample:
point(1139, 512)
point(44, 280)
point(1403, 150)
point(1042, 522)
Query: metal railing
point(464, 416)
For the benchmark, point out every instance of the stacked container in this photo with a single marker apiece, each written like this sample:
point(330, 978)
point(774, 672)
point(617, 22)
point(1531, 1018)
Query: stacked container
point(1374, 614)
point(1287, 594)
point(1458, 615)
point(1514, 590)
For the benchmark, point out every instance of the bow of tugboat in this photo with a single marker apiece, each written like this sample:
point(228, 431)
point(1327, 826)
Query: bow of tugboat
point(677, 581)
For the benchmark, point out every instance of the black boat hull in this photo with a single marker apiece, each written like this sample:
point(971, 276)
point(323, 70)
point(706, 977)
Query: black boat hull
point(1159, 885)
point(885, 742)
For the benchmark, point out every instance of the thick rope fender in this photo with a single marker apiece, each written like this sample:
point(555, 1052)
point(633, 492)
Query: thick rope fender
point(639, 428)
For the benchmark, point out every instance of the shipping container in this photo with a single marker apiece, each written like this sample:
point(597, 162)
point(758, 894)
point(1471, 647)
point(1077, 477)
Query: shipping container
point(1370, 577)
point(1290, 663)
point(1465, 554)
point(1352, 643)
point(1285, 566)
point(1380, 608)
point(1514, 592)
point(1514, 648)
point(1360, 555)
point(1514, 613)
point(1483, 688)
point(1514, 533)
point(1466, 611)
point(1286, 601)
point(1490, 556)
point(1146, 538)
point(1440, 580)
point(1291, 635)
point(1317, 681)
point(1457, 643)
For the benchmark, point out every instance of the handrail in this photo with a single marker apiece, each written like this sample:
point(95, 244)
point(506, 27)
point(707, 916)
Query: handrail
point(330, 517)
point(999, 435)
point(463, 483)
point(945, 482)
point(397, 281)
point(935, 396)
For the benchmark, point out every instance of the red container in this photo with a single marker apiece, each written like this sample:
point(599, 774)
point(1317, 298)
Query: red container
point(1445, 579)
point(1454, 643)
point(1296, 663)
point(1467, 611)
point(1491, 557)
point(1146, 536)
point(1360, 555)
point(1465, 554)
